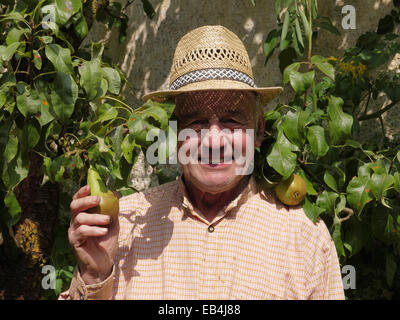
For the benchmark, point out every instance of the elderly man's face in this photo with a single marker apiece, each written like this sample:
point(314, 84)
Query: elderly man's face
point(217, 127)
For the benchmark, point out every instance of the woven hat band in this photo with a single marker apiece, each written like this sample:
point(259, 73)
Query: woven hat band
point(212, 74)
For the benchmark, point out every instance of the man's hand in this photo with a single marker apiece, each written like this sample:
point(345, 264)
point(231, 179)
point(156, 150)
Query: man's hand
point(93, 237)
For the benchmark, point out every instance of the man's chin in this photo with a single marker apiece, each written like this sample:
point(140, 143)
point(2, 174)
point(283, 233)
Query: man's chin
point(216, 184)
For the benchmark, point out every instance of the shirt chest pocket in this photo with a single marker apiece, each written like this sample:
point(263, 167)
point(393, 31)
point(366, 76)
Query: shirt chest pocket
point(256, 281)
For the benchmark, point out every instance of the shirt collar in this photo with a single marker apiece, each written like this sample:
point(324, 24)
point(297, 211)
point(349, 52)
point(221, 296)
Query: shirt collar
point(250, 190)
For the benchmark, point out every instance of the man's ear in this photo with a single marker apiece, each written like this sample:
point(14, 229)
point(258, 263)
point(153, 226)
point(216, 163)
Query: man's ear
point(260, 131)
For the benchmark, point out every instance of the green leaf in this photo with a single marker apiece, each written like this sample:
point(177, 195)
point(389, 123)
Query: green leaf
point(28, 100)
point(305, 22)
point(81, 27)
point(358, 193)
point(364, 170)
point(330, 181)
point(310, 187)
point(270, 43)
point(329, 27)
point(15, 171)
point(299, 35)
point(353, 143)
point(389, 227)
point(168, 146)
point(340, 123)
point(91, 77)
point(113, 79)
point(311, 210)
point(46, 39)
point(316, 138)
point(60, 58)
point(286, 57)
point(284, 44)
point(356, 235)
point(106, 112)
point(341, 205)
point(14, 35)
point(396, 181)
point(8, 52)
point(314, 8)
point(285, 27)
point(327, 201)
point(301, 81)
point(278, 8)
point(66, 9)
point(337, 238)
point(157, 113)
point(58, 287)
point(116, 138)
point(13, 15)
point(31, 133)
point(293, 126)
point(398, 156)
point(284, 141)
point(11, 148)
point(46, 112)
point(148, 9)
point(96, 50)
point(324, 66)
point(288, 71)
point(13, 208)
point(63, 96)
point(37, 60)
point(380, 183)
point(127, 148)
point(139, 128)
point(282, 159)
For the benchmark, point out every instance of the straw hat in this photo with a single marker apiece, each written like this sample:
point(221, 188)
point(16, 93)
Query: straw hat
point(211, 58)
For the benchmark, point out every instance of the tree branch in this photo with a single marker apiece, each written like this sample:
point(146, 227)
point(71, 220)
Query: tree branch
point(378, 113)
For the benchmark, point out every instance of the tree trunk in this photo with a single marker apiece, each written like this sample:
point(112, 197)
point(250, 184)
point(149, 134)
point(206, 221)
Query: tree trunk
point(28, 246)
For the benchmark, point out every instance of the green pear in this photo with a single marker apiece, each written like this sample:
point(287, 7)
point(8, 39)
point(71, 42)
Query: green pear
point(109, 203)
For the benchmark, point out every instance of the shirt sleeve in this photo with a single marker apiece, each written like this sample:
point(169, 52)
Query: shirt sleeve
point(78, 290)
point(325, 278)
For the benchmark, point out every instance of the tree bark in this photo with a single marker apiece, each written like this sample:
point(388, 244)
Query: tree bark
point(32, 237)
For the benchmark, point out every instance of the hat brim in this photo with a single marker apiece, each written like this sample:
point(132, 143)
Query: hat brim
point(264, 94)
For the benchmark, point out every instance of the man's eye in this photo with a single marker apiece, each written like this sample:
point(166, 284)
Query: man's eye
point(197, 122)
point(230, 120)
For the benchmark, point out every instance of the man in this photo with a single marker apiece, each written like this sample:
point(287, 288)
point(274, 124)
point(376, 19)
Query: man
point(211, 234)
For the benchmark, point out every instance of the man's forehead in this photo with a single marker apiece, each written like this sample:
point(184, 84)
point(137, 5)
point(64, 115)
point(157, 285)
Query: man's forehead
point(215, 102)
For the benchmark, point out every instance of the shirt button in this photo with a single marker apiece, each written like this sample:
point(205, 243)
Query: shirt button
point(211, 229)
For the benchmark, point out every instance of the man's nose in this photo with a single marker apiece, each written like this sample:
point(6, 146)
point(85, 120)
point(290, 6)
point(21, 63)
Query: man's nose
point(214, 137)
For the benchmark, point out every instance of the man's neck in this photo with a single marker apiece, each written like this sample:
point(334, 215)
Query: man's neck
point(210, 204)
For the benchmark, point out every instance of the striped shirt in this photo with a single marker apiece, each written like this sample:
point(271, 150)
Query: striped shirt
point(255, 248)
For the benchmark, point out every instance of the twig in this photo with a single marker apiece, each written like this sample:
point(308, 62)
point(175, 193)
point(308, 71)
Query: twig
point(127, 5)
point(349, 212)
point(304, 167)
point(382, 126)
point(378, 113)
point(366, 105)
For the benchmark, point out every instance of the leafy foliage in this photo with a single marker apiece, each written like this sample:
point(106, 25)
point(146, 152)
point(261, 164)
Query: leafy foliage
point(351, 184)
point(65, 105)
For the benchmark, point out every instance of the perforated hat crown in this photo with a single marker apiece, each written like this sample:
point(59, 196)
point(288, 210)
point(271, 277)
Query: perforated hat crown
point(211, 58)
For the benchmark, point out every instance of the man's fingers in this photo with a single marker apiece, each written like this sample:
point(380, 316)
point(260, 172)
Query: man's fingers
point(90, 219)
point(79, 235)
point(82, 204)
point(82, 192)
